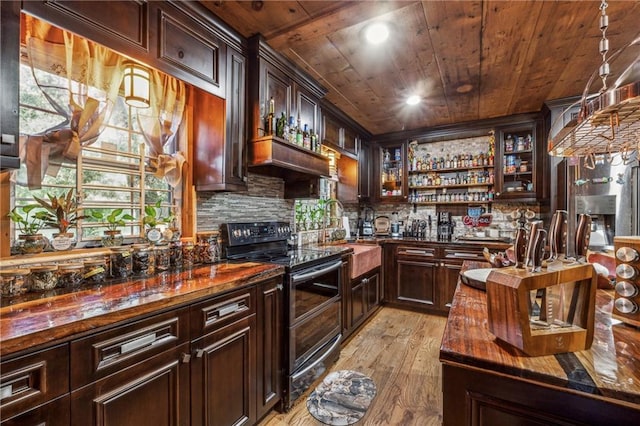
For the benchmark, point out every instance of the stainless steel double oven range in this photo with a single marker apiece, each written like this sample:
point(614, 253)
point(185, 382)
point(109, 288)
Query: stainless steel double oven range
point(312, 298)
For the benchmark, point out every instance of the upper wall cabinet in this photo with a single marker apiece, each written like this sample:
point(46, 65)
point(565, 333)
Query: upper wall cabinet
point(182, 39)
point(189, 50)
point(120, 25)
point(9, 83)
point(336, 132)
point(219, 144)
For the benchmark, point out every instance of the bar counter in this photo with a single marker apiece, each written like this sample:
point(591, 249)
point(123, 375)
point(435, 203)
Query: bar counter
point(29, 321)
point(497, 383)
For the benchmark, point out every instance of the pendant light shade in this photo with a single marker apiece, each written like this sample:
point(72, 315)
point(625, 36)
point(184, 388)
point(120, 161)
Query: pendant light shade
point(136, 85)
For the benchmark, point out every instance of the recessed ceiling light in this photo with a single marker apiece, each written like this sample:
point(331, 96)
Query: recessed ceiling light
point(377, 32)
point(413, 100)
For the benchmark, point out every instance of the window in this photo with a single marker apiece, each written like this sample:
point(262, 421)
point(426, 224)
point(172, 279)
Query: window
point(114, 172)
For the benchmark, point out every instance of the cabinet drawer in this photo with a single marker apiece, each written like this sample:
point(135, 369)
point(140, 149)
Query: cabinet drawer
point(222, 310)
point(423, 252)
point(463, 254)
point(110, 351)
point(33, 379)
point(54, 413)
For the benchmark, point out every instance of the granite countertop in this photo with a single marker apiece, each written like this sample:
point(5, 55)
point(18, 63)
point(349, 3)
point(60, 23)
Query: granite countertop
point(28, 322)
point(612, 363)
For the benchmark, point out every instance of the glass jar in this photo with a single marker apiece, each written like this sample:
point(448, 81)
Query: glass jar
point(70, 275)
point(163, 257)
point(188, 254)
point(14, 282)
point(121, 264)
point(175, 254)
point(208, 250)
point(95, 271)
point(112, 238)
point(43, 277)
point(143, 260)
point(31, 244)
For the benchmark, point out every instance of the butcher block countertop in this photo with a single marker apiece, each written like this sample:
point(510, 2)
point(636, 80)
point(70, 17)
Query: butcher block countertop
point(28, 322)
point(609, 369)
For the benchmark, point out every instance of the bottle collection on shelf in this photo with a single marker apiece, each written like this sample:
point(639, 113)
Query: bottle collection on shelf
point(291, 130)
point(439, 180)
point(451, 197)
point(462, 161)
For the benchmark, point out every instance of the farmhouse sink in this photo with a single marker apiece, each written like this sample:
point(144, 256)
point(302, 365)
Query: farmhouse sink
point(364, 258)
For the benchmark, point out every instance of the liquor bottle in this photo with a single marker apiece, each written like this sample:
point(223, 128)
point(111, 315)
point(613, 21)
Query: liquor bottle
point(318, 143)
point(285, 128)
point(306, 139)
point(268, 124)
point(292, 130)
point(314, 140)
point(299, 136)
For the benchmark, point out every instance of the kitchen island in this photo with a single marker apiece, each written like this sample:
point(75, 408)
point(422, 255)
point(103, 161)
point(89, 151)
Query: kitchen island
point(486, 381)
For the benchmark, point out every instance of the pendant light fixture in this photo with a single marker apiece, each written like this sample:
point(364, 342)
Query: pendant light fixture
point(136, 85)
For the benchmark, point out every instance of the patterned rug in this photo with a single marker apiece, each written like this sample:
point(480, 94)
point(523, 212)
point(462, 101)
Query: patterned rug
point(342, 398)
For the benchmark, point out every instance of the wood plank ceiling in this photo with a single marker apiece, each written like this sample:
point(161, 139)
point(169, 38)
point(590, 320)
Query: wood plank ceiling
point(469, 60)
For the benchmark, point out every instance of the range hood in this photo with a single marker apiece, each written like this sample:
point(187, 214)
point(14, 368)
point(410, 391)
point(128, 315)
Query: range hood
point(273, 156)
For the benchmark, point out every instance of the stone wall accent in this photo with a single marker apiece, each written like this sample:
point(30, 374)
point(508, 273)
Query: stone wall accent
point(264, 200)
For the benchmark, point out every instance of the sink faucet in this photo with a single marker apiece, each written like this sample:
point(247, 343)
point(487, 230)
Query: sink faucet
point(327, 211)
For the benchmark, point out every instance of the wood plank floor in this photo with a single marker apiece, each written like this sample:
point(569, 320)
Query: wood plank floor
point(399, 351)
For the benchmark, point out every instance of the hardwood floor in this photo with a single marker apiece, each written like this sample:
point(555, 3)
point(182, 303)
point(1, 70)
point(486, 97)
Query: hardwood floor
point(399, 350)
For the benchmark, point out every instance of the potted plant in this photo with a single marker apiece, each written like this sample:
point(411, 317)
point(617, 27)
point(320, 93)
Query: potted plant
point(152, 218)
point(115, 219)
point(31, 241)
point(60, 212)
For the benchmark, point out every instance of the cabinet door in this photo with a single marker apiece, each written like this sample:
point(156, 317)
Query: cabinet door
point(521, 166)
point(372, 292)
point(307, 109)
point(190, 51)
point(221, 376)
point(447, 287)
point(415, 282)
point(364, 171)
point(269, 355)
point(153, 392)
point(358, 304)
point(347, 188)
point(331, 129)
point(390, 172)
point(235, 140)
point(279, 87)
point(350, 140)
point(9, 83)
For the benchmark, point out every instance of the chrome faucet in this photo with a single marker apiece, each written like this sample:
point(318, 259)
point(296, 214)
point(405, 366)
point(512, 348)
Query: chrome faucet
point(328, 218)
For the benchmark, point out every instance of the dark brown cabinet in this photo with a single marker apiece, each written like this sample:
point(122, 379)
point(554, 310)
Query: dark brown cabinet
point(221, 376)
point(390, 173)
point(347, 189)
point(219, 144)
point(414, 281)
point(9, 83)
point(424, 276)
point(522, 166)
point(269, 346)
point(29, 381)
point(364, 172)
point(360, 297)
point(131, 396)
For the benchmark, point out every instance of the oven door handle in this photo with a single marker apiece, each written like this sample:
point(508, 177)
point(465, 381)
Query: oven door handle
point(316, 272)
point(319, 360)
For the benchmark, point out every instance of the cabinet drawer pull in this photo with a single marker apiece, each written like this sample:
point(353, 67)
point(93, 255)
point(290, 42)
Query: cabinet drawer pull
point(199, 353)
point(280, 287)
point(229, 309)
point(414, 251)
point(185, 358)
point(6, 391)
point(138, 343)
point(8, 139)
